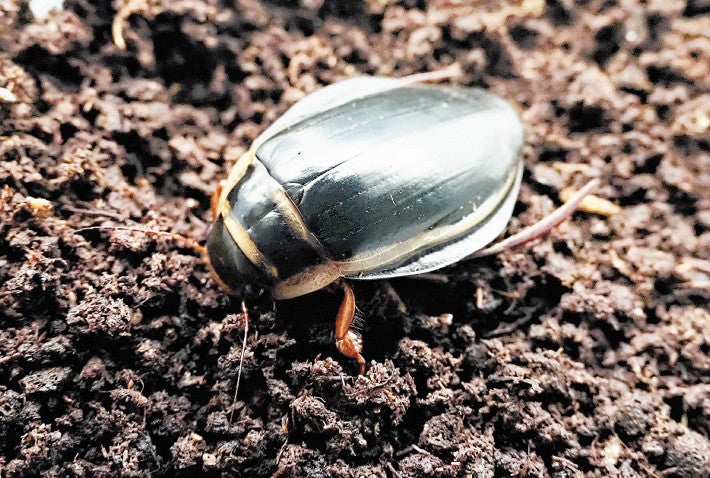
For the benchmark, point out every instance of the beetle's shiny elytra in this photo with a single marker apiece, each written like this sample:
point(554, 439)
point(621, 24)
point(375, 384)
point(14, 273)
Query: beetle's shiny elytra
point(368, 178)
point(364, 179)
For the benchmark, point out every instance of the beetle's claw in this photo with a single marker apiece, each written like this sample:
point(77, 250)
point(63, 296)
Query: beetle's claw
point(351, 347)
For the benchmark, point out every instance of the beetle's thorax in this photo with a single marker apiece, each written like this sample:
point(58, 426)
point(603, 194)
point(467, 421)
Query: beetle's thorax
point(260, 237)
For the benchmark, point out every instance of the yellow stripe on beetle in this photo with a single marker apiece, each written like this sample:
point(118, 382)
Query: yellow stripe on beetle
point(245, 243)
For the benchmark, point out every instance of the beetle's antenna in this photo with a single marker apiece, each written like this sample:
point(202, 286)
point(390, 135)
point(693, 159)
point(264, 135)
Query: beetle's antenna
point(186, 241)
point(245, 314)
point(541, 227)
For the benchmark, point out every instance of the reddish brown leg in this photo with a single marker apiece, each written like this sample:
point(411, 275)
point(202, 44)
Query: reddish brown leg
point(214, 201)
point(348, 341)
point(543, 226)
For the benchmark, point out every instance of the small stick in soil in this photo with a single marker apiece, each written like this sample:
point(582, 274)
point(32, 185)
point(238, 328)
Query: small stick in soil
point(541, 227)
point(592, 204)
point(129, 8)
point(394, 472)
point(7, 358)
point(245, 314)
point(509, 328)
point(392, 294)
point(7, 96)
point(192, 244)
point(94, 212)
point(430, 277)
point(446, 73)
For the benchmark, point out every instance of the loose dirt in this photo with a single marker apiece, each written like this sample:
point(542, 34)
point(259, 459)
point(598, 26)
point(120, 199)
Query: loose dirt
point(585, 354)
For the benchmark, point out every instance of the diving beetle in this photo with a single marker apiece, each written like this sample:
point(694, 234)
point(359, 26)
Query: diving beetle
point(368, 178)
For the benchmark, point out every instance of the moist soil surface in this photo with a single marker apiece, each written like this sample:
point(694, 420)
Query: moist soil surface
point(582, 354)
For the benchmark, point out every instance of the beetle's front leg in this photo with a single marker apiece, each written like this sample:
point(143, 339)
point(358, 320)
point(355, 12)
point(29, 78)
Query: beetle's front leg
point(214, 200)
point(348, 342)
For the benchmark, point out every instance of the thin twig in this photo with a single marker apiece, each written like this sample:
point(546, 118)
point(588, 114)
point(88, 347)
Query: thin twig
point(94, 212)
point(507, 329)
point(245, 314)
point(446, 73)
point(191, 243)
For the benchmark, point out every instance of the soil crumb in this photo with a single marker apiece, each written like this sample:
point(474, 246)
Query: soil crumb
point(582, 355)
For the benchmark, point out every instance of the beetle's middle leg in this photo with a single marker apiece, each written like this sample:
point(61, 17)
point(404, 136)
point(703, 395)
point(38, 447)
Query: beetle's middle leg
point(348, 342)
point(543, 226)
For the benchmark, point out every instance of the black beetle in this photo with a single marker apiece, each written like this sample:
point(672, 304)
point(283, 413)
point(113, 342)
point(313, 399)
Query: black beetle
point(368, 178)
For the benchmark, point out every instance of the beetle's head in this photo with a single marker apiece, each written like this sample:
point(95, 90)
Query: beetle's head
point(230, 268)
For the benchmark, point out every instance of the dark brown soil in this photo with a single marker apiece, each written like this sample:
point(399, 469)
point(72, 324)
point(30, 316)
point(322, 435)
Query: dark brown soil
point(586, 354)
